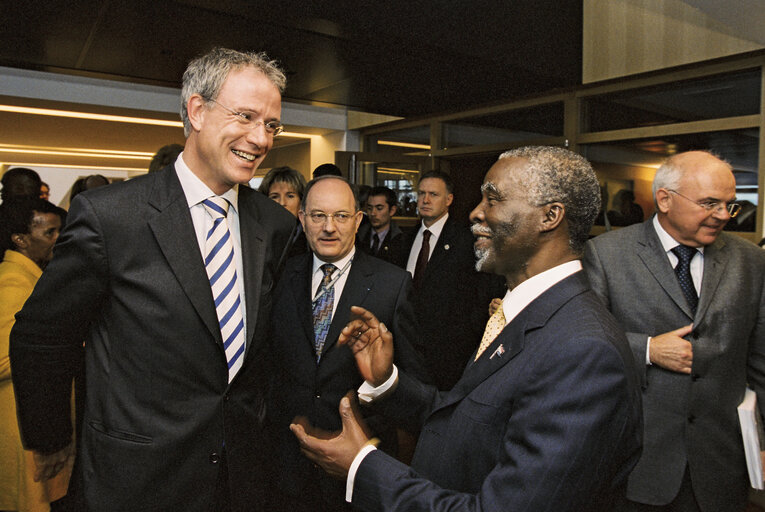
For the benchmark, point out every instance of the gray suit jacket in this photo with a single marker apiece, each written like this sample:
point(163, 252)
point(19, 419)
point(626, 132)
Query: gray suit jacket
point(689, 419)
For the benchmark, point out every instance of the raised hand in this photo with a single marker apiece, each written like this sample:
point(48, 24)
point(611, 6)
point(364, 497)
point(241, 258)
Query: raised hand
point(371, 344)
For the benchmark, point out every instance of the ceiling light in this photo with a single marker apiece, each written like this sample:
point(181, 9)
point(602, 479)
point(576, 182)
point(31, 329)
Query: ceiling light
point(89, 115)
point(403, 144)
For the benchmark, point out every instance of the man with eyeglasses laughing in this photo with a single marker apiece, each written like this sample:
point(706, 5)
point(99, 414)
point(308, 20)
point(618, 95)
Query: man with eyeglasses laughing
point(167, 279)
point(692, 301)
point(311, 306)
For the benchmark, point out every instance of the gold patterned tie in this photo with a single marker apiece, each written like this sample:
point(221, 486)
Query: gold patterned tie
point(493, 327)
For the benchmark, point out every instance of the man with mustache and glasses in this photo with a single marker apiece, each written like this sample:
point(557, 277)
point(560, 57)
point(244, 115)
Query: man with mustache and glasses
point(692, 301)
point(166, 279)
point(546, 416)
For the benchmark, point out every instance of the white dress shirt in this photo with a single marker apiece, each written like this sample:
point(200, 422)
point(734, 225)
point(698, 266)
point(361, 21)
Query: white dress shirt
point(196, 192)
point(697, 267)
point(435, 233)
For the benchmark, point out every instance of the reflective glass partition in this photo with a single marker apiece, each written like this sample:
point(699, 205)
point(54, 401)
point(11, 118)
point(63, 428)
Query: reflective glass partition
point(714, 97)
point(625, 127)
point(510, 127)
point(630, 165)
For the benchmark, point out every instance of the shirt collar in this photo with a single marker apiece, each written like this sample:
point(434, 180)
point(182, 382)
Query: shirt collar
point(436, 228)
point(524, 294)
point(196, 191)
point(380, 234)
point(18, 258)
point(317, 263)
point(667, 242)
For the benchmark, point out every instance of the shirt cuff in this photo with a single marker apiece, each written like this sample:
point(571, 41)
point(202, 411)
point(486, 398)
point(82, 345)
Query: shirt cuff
point(355, 467)
point(368, 393)
point(648, 352)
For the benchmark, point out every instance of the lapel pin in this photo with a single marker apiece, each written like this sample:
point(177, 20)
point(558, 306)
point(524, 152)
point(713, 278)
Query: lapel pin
point(446, 247)
point(500, 350)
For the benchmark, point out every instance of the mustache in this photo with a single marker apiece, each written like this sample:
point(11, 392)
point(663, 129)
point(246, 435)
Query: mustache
point(477, 229)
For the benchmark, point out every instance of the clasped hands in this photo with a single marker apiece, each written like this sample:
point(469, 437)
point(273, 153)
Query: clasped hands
point(372, 347)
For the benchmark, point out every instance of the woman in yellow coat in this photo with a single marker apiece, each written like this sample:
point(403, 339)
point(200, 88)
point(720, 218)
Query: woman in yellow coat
point(28, 231)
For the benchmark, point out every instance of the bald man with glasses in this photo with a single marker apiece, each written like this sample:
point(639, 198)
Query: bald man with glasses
point(692, 301)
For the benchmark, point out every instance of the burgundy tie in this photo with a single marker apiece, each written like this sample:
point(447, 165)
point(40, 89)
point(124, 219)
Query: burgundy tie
point(422, 259)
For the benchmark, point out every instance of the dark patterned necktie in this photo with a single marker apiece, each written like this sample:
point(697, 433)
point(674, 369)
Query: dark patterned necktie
point(375, 244)
point(322, 309)
point(684, 255)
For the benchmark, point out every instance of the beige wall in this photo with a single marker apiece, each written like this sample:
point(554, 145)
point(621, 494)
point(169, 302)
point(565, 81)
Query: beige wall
point(624, 37)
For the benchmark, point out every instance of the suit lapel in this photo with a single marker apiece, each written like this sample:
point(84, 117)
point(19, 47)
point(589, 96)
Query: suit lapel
point(652, 254)
point(254, 242)
point(174, 233)
point(443, 246)
point(300, 284)
point(714, 267)
point(512, 339)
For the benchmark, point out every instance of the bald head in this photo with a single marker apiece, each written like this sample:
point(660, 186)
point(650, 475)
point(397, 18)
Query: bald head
point(692, 191)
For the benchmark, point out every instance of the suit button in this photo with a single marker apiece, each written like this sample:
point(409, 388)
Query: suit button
point(695, 377)
point(225, 397)
point(691, 418)
point(214, 458)
point(694, 335)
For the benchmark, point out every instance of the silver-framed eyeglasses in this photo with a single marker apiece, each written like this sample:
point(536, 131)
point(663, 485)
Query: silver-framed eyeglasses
point(272, 127)
point(713, 206)
point(321, 217)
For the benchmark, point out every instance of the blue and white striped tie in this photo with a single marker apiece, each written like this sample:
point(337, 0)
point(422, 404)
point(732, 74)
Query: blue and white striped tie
point(221, 270)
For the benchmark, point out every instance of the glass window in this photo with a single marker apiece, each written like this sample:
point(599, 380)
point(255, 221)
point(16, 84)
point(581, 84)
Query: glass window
point(631, 164)
point(511, 127)
point(713, 97)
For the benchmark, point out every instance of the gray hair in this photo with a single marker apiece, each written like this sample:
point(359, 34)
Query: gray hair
point(205, 75)
point(558, 175)
point(669, 174)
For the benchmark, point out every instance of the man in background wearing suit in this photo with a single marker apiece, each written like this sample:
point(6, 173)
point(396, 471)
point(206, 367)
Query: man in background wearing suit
point(697, 333)
point(451, 298)
point(546, 416)
point(311, 306)
point(382, 237)
point(167, 279)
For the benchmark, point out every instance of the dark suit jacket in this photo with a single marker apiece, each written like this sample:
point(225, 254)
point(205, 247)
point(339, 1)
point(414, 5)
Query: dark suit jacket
point(689, 419)
point(393, 248)
point(552, 424)
point(128, 279)
point(306, 388)
point(452, 302)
